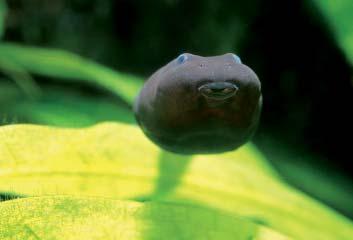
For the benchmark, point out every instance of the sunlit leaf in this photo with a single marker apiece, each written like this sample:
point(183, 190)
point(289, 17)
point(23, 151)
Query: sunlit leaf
point(70, 67)
point(98, 218)
point(117, 161)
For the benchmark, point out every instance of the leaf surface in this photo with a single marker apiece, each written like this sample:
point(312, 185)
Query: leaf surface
point(61, 107)
point(70, 67)
point(340, 18)
point(63, 217)
point(117, 161)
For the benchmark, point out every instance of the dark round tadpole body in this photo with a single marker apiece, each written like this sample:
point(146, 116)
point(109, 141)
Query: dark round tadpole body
point(200, 104)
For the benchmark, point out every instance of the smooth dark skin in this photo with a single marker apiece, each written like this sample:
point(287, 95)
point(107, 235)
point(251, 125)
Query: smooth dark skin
point(200, 104)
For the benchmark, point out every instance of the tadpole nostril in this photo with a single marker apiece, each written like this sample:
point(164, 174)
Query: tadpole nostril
point(227, 90)
point(218, 90)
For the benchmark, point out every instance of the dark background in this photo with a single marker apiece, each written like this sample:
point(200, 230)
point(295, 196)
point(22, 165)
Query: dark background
point(306, 79)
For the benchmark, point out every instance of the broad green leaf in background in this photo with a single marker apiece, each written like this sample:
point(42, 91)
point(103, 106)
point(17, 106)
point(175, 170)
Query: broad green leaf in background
point(3, 10)
point(340, 18)
point(8, 92)
point(116, 161)
point(71, 110)
point(98, 218)
point(21, 77)
point(70, 67)
point(60, 106)
point(65, 107)
point(299, 167)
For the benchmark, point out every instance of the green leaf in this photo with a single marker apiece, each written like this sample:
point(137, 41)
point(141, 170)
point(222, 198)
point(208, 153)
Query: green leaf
point(3, 10)
point(302, 168)
point(117, 161)
point(8, 93)
point(20, 76)
point(59, 106)
point(98, 218)
point(70, 67)
point(339, 15)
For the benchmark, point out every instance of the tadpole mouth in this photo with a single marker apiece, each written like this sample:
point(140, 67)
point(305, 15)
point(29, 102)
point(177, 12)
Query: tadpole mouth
point(218, 90)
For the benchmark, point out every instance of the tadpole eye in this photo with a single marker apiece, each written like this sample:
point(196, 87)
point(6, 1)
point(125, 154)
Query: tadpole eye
point(182, 58)
point(236, 58)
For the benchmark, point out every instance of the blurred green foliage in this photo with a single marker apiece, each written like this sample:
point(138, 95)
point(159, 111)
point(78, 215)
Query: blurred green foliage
point(338, 14)
point(69, 67)
point(296, 166)
point(3, 9)
point(63, 107)
point(60, 106)
point(24, 100)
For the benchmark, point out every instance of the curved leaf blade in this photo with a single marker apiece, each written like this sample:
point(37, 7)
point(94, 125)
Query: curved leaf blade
point(97, 218)
point(116, 160)
point(71, 67)
point(339, 15)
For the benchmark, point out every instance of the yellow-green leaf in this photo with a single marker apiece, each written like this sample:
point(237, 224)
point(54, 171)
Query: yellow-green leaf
point(97, 218)
point(117, 161)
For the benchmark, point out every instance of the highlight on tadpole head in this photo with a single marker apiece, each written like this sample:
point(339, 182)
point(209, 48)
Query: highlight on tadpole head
point(218, 90)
